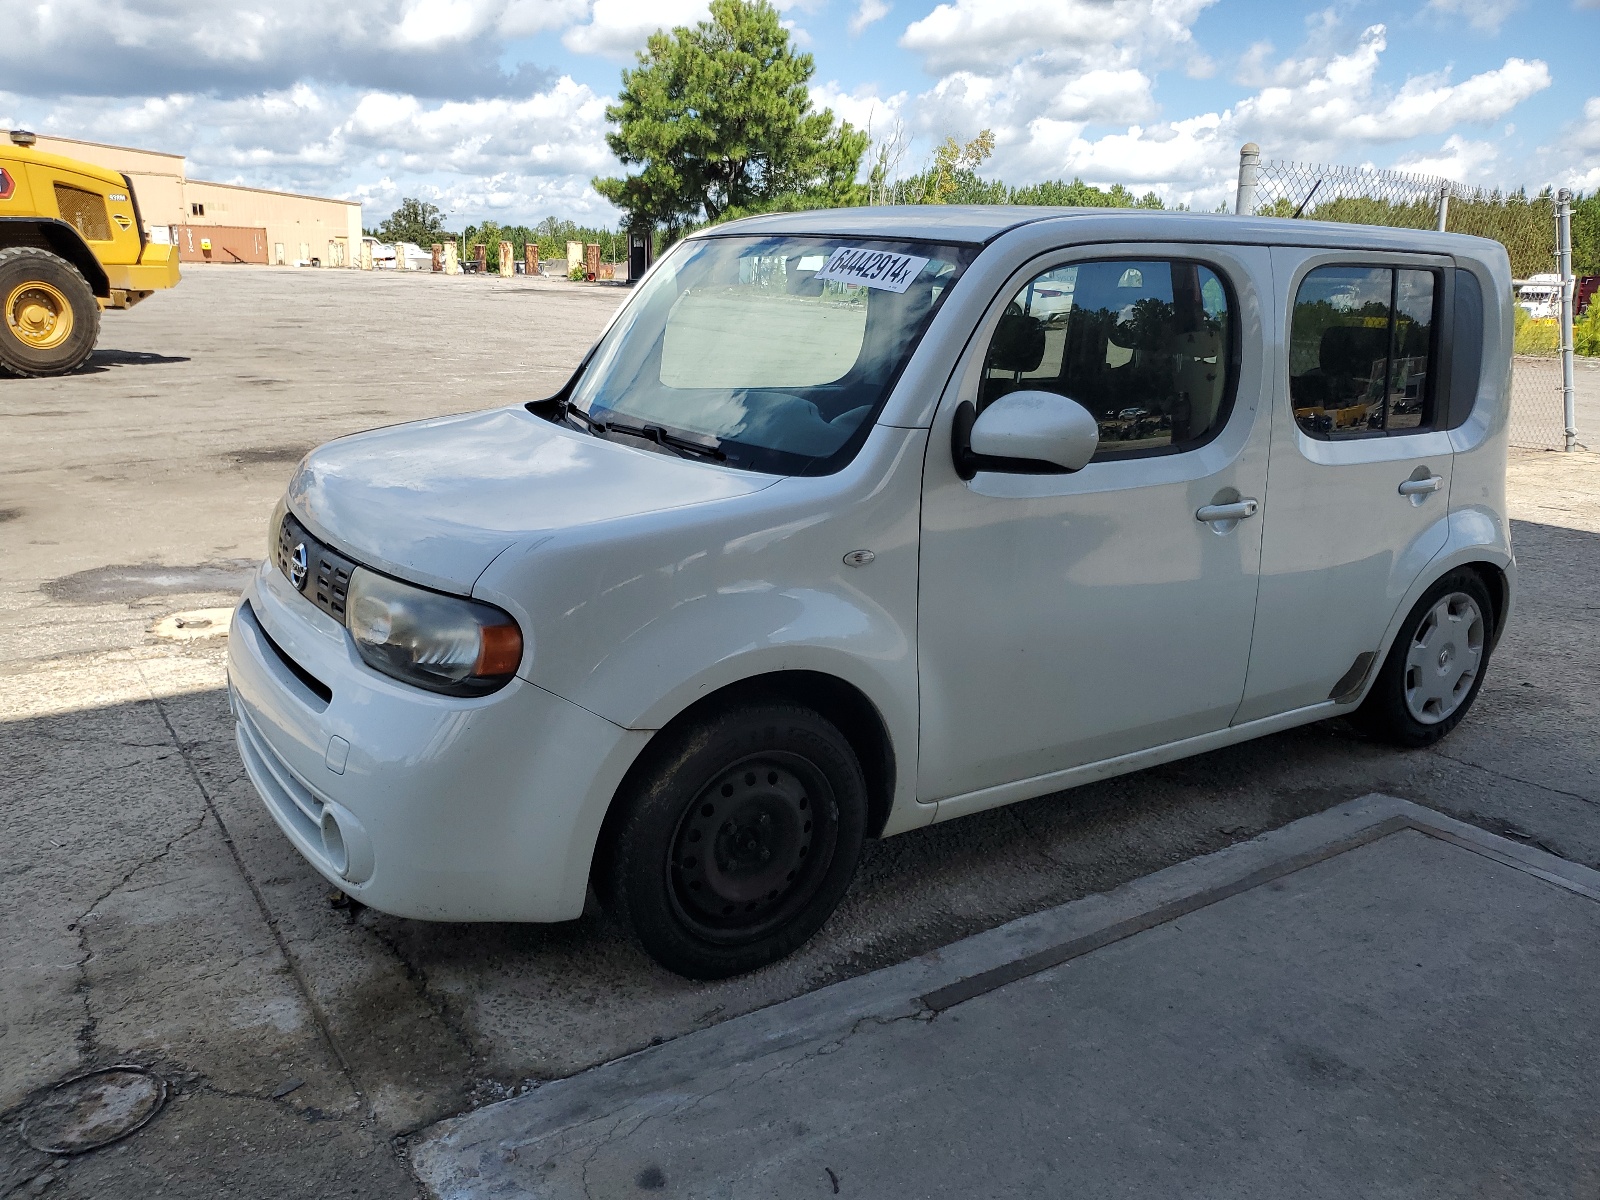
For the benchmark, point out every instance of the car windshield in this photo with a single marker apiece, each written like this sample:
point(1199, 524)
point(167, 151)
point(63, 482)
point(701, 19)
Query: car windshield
point(775, 352)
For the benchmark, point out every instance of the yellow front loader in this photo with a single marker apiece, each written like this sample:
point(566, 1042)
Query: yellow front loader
point(71, 244)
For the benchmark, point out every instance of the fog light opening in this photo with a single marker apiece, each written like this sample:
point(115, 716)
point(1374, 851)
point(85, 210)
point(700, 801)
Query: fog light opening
point(333, 845)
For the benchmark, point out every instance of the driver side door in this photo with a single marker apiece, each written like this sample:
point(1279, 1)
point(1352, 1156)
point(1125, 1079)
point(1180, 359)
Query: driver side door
point(1066, 619)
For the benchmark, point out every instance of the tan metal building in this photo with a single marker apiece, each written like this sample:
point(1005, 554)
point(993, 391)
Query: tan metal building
point(224, 222)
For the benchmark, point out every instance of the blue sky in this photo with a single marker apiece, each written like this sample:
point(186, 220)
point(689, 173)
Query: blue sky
point(496, 107)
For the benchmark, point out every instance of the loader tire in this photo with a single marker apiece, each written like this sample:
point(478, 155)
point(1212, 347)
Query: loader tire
point(49, 319)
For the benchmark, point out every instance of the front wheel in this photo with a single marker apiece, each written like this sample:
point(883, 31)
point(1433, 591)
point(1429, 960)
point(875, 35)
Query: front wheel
point(1436, 666)
point(49, 318)
point(736, 840)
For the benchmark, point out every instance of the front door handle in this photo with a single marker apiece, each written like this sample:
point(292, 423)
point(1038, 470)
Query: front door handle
point(1422, 487)
point(1211, 514)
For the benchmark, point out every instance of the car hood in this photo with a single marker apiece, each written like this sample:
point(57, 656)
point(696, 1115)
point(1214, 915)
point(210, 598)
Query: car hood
point(437, 501)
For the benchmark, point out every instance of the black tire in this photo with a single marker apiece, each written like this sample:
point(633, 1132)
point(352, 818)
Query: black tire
point(735, 840)
point(55, 279)
point(1386, 713)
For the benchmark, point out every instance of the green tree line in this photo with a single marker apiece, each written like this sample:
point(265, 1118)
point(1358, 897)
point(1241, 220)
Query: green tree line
point(1525, 225)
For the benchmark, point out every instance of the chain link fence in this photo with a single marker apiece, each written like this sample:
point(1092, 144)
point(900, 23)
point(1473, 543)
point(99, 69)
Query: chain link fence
point(1525, 225)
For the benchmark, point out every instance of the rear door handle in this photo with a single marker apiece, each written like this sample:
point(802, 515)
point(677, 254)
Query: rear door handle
point(1421, 487)
point(1237, 511)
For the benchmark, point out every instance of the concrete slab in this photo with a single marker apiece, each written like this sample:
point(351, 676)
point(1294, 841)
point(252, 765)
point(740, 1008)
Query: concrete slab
point(1376, 1000)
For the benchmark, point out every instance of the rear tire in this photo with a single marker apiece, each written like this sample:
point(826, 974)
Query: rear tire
point(1436, 666)
point(49, 319)
point(736, 840)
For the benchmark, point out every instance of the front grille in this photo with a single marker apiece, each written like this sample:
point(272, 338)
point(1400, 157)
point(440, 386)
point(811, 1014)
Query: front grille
point(326, 582)
point(84, 211)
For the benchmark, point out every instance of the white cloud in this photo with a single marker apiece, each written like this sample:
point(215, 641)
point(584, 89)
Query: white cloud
point(1575, 158)
point(1103, 96)
point(1486, 16)
point(863, 107)
point(1587, 136)
point(1324, 106)
point(524, 18)
point(1459, 158)
point(560, 131)
point(974, 35)
point(516, 159)
point(1342, 103)
point(867, 12)
point(618, 28)
point(136, 47)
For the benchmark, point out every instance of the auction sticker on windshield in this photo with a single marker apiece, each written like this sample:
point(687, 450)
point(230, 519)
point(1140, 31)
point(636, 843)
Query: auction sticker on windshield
point(872, 268)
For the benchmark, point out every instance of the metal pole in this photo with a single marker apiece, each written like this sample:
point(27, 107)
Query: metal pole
point(1564, 265)
point(1249, 167)
point(1444, 207)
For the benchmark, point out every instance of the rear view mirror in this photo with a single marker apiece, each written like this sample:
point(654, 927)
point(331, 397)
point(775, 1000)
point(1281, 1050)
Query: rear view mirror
point(1025, 432)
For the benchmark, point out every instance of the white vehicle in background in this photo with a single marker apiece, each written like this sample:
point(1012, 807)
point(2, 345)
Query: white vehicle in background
point(846, 526)
point(1540, 297)
point(403, 256)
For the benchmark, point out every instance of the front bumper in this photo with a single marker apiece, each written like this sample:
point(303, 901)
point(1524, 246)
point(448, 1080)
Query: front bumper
point(416, 804)
point(156, 269)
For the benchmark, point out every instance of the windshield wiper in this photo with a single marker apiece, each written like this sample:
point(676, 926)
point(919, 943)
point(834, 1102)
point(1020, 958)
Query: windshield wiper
point(650, 433)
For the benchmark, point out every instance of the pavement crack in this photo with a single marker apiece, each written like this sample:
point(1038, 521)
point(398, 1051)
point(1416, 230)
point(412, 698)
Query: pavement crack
point(1517, 779)
point(600, 1144)
point(1039, 845)
point(188, 981)
point(415, 975)
point(87, 1042)
point(313, 1005)
point(923, 1015)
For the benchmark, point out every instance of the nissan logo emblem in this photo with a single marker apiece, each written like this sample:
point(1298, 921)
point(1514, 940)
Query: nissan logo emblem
point(298, 567)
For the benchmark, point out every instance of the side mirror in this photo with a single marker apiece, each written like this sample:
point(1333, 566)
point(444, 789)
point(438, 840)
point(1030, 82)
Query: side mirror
point(1024, 432)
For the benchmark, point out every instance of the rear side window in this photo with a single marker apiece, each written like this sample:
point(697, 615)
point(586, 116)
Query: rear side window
point(1361, 351)
point(1466, 350)
point(1146, 346)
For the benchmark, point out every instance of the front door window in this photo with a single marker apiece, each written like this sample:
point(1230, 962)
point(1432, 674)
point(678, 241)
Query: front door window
point(1143, 345)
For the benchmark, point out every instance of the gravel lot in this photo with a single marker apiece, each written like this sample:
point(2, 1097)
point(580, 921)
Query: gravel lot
point(151, 912)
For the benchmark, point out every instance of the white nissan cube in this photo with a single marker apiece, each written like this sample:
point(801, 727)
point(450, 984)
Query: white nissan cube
point(857, 520)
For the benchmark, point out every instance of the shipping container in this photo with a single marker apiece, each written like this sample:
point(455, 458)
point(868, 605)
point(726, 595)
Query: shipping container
point(221, 243)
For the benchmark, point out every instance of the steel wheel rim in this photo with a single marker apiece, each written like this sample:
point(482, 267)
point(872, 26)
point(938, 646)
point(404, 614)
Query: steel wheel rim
point(1444, 658)
point(39, 315)
point(753, 848)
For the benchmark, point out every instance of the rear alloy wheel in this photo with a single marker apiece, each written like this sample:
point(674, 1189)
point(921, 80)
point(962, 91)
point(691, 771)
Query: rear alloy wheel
point(737, 840)
point(49, 318)
point(1436, 666)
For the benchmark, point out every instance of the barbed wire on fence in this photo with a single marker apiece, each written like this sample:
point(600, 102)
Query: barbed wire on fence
point(1374, 196)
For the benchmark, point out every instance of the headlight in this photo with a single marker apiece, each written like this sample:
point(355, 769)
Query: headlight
point(442, 643)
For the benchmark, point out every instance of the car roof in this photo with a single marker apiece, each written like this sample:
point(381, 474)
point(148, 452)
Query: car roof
point(979, 224)
point(975, 223)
